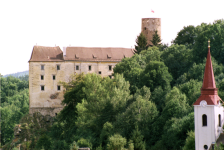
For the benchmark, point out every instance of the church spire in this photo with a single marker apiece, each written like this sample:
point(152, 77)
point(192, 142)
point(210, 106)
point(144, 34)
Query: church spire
point(209, 92)
point(209, 80)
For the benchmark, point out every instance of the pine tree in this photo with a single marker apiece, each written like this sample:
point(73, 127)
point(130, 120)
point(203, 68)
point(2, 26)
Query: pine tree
point(141, 42)
point(156, 41)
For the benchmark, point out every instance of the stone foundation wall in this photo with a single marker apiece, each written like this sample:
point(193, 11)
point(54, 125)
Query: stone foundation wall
point(45, 110)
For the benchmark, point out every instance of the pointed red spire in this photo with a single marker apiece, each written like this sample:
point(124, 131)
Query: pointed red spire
point(209, 92)
point(209, 80)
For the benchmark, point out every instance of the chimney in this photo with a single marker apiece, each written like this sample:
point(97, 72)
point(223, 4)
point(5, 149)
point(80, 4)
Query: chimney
point(64, 51)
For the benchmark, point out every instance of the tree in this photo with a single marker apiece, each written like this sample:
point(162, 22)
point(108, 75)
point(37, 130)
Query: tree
point(156, 74)
point(137, 139)
point(116, 142)
point(178, 59)
point(186, 36)
point(105, 99)
point(190, 141)
point(156, 41)
point(141, 42)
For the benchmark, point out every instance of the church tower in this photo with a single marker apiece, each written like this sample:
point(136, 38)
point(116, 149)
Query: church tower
point(149, 26)
point(208, 111)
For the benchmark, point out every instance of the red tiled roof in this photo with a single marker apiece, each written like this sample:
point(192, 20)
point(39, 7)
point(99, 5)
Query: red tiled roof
point(97, 53)
point(42, 53)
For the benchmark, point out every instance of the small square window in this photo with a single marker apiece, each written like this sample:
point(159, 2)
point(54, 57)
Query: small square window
point(59, 87)
point(99, 72)
point(90, 68)
point(54, 77)
point(110, 67)
point(42, 67)
point(42, 77)
point(42, 87)
point(77, 67)
point(58, 67)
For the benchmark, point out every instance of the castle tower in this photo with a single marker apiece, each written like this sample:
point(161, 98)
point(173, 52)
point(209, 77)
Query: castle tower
point(208, 112)
point(149, 26)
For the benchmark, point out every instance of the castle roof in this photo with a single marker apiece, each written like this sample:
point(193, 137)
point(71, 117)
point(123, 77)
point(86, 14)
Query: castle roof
point(97, 53)
point(42, 53)
point(209, 92)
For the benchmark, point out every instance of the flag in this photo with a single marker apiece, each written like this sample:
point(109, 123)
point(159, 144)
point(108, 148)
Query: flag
point(152, 11)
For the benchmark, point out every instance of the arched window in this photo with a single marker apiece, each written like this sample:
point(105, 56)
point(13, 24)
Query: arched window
point(204, 120)
point(219, 120)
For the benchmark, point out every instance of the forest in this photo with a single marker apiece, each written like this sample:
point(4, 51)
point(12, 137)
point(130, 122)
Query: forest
point(147, 105)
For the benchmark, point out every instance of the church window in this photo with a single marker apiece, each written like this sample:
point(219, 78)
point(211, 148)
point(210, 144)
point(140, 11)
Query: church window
point(42, 67)
point(219, 120)
point(204, 120)
point(42, 87)
point(54, 77)
point(42, 77)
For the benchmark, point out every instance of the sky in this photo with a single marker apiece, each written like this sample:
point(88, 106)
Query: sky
point(90, 23)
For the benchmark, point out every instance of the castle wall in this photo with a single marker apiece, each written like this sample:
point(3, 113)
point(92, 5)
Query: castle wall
point(149, 26)
point(48, 101)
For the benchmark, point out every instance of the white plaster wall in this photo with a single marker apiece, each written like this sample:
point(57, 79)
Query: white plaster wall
point(206, 135)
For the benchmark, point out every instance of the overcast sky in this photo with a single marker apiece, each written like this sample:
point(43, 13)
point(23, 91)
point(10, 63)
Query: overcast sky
point(92, 23)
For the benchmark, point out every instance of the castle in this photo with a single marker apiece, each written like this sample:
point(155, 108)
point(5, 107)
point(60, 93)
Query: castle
point(49, 65)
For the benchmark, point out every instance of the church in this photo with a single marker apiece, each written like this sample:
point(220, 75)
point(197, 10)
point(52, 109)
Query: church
point(208, 111)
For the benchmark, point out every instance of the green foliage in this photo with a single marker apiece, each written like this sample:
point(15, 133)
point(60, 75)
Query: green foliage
point(74, 146)
point(156, 41)
point(178, 59)
point(137, 139)
point(190, 141)
point(14, 105)
point(130, 145)
point(156, 74)
point(116, 142)
point(44, 142)
point(84, 143)
point(141, 42)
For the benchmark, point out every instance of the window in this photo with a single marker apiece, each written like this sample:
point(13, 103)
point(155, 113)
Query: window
point(145, 28)
point(77, 67)
point(204, 120)
point(42, 77)
point(205, 147)
point(59, 87)
point(219, 120)
point(54, 77)
point(90, 68)
point(56, 114)
point(42, 67)
point(42, 87)
point(99, 72)
point(58, 67)
point(110, 67)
